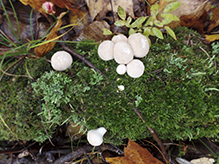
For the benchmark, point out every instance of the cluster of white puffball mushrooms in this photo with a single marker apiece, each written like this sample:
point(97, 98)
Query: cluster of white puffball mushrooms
point(123, 50)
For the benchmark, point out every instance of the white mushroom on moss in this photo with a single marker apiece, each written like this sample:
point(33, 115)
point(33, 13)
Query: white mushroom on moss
point(95, 136)
point(121, 69)
point(123, 53)
point(105, 50)
point(61, 60)
point(139, 44)
point(135, 68)
point(119, 38)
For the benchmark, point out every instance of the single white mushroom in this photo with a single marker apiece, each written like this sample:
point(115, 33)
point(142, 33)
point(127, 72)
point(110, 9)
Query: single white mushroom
point(121, 87)
point(61, 60)
point(135, 68)
point(105, 50)
point(121, 69)
point(119, 38)
point(139, 44)
point(95, 136)
point(123, 53)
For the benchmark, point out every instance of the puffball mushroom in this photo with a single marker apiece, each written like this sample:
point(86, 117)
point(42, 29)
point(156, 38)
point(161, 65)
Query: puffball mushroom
point(119, 38)
point(105, 50)
point(139, 44)
point(121, 69)
point(135, 68)
point(95, 136)
point(61, 60)
point(123, 53)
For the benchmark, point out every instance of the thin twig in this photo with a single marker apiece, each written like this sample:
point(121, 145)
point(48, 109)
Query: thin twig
point(155, 136)
point(157, 149)
point(210, 58)
point(70, 50)
point(10, 74)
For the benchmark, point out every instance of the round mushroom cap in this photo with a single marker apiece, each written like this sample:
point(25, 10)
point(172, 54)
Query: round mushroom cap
point(61, 60)
point(139, 44)
point(135, 68)
point(121, 69)
point(119, 38)
point(95, 136)
point(123, 53)
point(105, 50)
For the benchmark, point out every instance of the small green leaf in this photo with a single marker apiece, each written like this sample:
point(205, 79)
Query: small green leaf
point(120, 23)
point(155, 9)
point(171, 7)
point(157, 32)
point(129, 20)
point(121, 12)
point(107, 31)
point(158, 23)
point(138, 22)
point(171, 32)
point(169, 18)
point(131, 31)
point(147, 31)
point(149, 22)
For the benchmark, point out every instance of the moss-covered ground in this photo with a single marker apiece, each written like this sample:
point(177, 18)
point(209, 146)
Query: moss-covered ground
point(177, 95)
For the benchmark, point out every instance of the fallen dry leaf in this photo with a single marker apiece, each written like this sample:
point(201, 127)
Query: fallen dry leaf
point(94, 31)
point(134, 154)
point(79, 17)
point(43, 49)
point(37, 4)
point(191, 13)
point(103, 6)
point(215, 19)
point(211, 38)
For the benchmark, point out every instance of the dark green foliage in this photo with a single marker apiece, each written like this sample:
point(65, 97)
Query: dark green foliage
point(177, 95)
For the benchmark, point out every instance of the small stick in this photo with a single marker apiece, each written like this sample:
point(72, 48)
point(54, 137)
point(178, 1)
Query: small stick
point(154, 134)
point(210, 58)
point(70, 50)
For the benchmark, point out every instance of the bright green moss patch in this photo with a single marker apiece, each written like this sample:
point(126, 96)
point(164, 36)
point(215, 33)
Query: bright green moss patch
point(177, 95)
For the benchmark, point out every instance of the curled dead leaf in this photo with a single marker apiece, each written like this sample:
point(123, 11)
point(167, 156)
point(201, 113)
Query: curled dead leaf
point(51, 37)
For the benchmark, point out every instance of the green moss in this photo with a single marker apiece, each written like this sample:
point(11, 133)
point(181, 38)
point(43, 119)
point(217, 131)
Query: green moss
point(177, 95)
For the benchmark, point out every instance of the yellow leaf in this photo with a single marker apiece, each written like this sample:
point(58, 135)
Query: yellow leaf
point(211, 38)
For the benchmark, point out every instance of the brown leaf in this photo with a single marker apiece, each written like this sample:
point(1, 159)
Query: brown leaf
point(37, 4)
point(215, 19)
point(94, 31)
point(135, 154)
point(191, 13)
point(80, 18)
point(43, 49)
point(103, 6)
point(119, 160)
